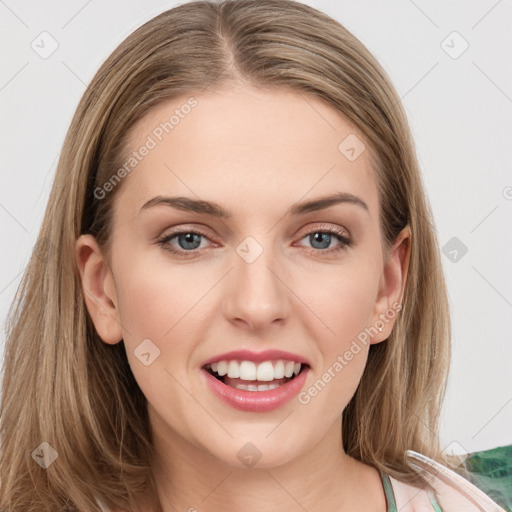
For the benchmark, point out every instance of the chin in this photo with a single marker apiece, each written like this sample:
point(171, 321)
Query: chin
point(257, 452)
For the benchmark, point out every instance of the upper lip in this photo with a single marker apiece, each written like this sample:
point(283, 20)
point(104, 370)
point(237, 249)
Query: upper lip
point(257, 357)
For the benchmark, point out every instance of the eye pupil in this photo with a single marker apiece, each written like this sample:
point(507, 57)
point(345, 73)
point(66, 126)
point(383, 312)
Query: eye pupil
point(189, 239)
point(321, 238)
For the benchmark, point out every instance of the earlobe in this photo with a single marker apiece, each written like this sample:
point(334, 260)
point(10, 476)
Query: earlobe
point(98, 289)
point(392, 286)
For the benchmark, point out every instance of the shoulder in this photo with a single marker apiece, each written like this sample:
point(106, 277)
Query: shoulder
point(409, 498)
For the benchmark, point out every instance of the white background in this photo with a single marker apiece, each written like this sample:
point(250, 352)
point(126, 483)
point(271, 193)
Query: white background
point(460, 110)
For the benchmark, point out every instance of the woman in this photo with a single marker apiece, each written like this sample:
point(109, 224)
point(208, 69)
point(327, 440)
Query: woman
point(241, 302)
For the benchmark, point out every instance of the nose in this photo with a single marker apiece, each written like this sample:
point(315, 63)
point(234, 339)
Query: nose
point(258, 295)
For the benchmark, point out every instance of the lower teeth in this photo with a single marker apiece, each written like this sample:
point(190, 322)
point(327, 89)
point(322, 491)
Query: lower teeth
point(252, 387)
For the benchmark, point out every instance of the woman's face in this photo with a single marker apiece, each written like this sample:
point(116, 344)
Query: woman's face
point(186, 285)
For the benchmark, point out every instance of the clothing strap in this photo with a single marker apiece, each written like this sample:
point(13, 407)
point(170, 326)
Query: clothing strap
point(390, 495)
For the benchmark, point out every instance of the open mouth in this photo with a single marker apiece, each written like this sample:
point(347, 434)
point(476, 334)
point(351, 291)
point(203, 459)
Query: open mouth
point(255, 384)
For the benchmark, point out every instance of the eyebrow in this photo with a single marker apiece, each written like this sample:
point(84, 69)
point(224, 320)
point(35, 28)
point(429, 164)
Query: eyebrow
point(210, 208)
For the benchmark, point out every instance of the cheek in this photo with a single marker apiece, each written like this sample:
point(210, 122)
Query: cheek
point(165, 304)
point(344, 313)
point(153, 297)
point(156, 303)
point(145, 307)
point(342, 300)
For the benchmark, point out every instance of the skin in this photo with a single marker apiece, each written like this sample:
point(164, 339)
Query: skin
point(255, 153)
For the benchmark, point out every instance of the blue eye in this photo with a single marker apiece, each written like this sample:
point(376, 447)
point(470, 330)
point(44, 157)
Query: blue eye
point(189, 242)
point(325, 239)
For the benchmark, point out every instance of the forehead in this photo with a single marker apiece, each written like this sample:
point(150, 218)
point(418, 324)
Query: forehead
point(259, 148)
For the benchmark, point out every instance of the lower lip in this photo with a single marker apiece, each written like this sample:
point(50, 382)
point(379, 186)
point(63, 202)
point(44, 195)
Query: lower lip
point(256, 401)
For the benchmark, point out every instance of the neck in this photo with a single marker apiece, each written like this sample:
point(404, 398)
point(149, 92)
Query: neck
point(189, 478)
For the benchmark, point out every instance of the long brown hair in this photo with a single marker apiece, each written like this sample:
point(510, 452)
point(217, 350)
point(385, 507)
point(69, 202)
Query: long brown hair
point(63, 386)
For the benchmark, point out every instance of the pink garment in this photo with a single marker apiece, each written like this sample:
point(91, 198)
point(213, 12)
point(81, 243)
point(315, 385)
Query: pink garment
point(453, 493)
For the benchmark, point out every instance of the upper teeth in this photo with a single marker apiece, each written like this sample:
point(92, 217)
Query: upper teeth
point(248, 370)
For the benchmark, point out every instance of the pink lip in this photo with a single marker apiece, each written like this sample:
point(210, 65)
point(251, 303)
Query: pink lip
point(257, 357)
point(256, 401)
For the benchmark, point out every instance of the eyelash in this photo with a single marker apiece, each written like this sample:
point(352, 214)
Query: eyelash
point(345, 242)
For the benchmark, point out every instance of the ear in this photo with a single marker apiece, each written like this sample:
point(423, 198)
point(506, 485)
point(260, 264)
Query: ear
point(98, 289)
point(392, 286)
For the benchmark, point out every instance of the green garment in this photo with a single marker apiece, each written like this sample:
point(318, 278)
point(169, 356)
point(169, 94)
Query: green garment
point(491, 471)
